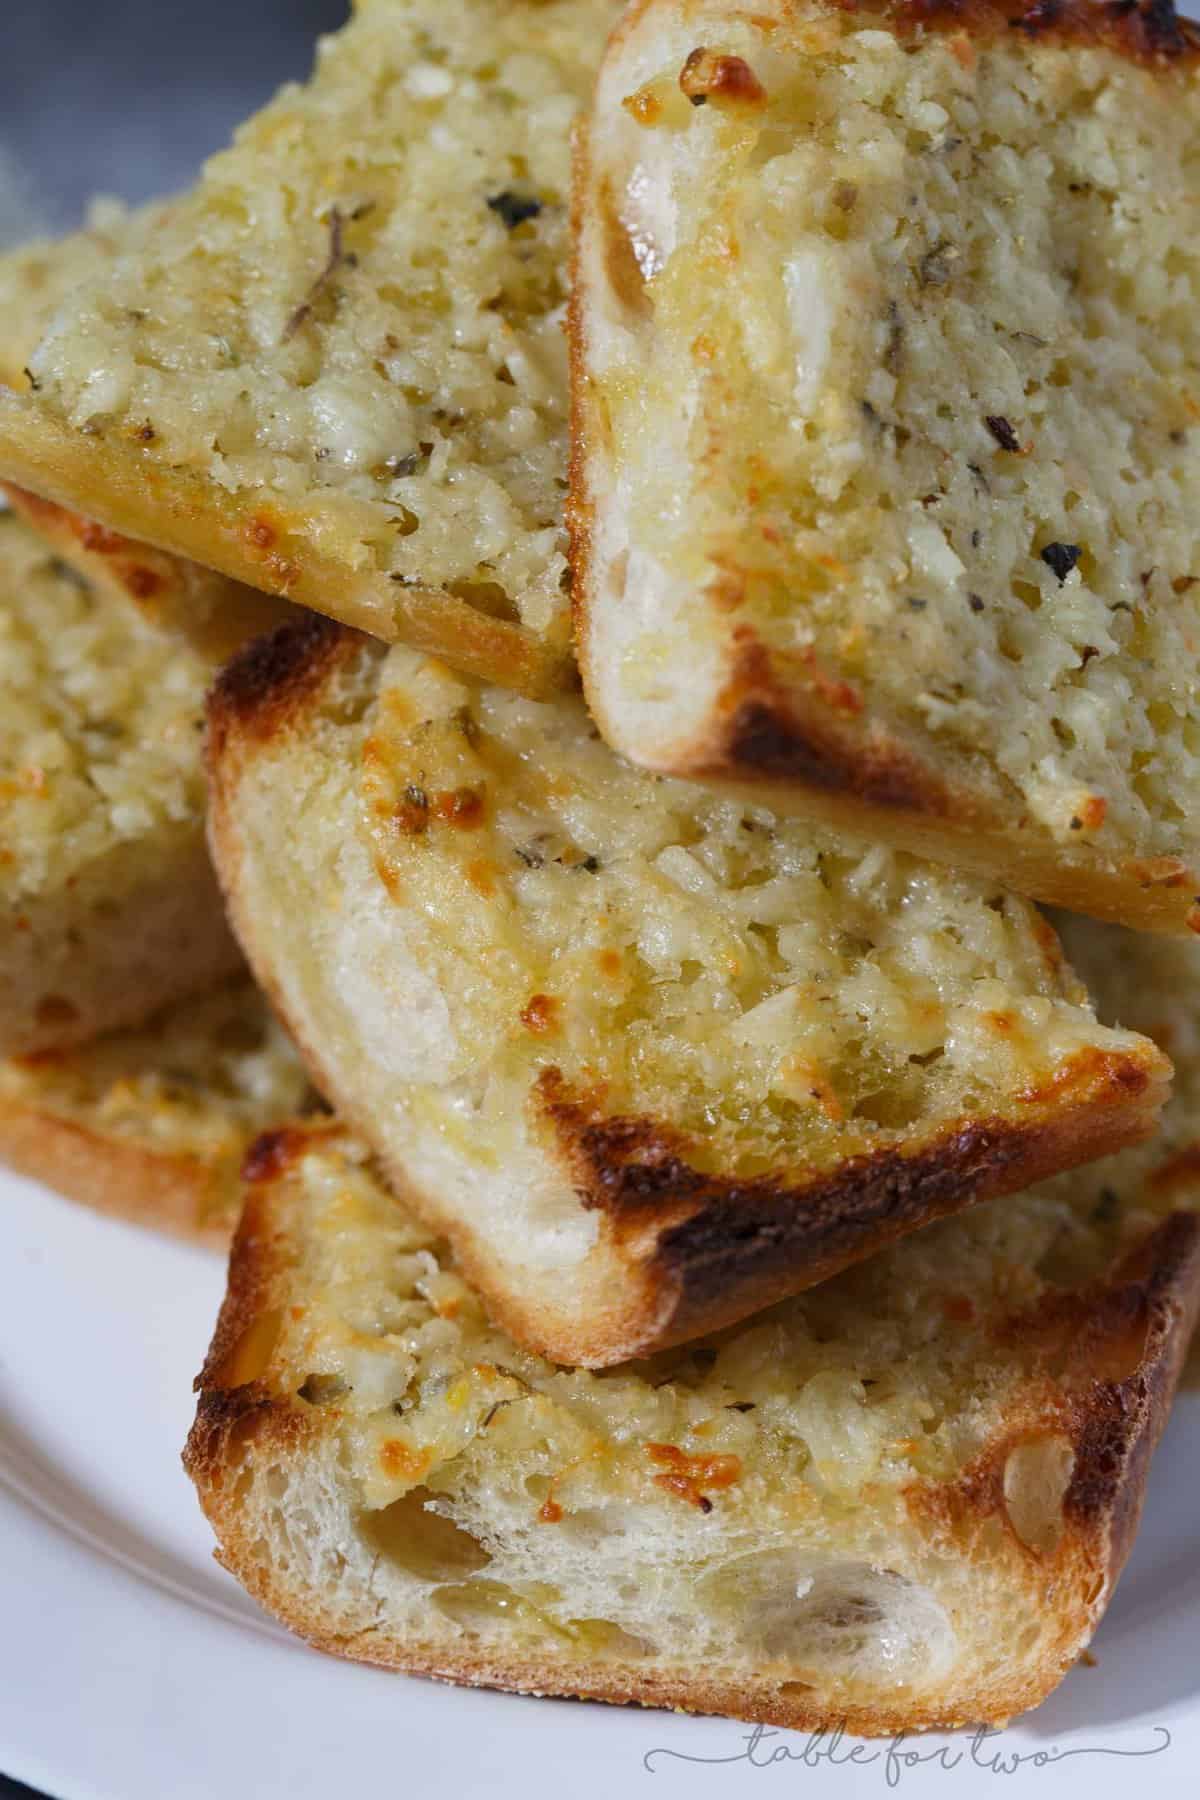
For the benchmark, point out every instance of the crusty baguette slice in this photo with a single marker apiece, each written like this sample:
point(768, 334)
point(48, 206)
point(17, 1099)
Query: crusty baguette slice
point(108, 905)
point(887, 341)
point(899, 1501)
point(650, 1059)
point(301, 381)
point(153, 1125)
point(36, 281)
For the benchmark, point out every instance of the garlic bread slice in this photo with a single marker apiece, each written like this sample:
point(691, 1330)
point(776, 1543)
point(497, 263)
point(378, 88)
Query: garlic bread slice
point(336, 370)
point(887, 358)
point(650, 1058)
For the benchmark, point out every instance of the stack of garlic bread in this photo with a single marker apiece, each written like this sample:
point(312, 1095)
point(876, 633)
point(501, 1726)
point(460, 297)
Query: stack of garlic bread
point(706, 1237)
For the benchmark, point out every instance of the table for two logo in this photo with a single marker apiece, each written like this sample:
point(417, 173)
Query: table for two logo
point(765, 1748)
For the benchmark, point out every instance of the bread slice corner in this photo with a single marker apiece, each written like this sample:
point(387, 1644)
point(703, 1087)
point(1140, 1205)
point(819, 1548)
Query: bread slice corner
point(284, 382)
point(884, 480)
point(152, 1126)
point(208, 610)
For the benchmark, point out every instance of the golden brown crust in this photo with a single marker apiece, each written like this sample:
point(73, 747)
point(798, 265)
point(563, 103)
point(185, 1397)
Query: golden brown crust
point(257, 695)
point(1156, 1297)
point(683, 1253)
point(258, 543)
point(258, 1265)
point(171, 1193)
point(770, 732)
point(1149, 32)
point(1128, 1336)
point(216, 614)
point(783, 739)
point(804, 726)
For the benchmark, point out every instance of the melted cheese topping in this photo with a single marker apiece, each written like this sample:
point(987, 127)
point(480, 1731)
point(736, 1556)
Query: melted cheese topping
point(100, 725)
point(39, 277)
point(782, 996)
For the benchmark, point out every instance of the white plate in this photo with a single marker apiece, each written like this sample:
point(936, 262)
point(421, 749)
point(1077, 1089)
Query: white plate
point(132, 1668)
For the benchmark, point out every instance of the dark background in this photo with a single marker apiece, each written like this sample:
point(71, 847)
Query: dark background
point(127, 97)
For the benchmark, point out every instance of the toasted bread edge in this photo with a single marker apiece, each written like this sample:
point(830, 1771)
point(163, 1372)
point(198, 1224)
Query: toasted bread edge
point(260, 542)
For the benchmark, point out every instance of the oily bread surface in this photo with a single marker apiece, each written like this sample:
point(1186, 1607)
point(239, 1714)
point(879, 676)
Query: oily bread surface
point(685, 1057)
point(36, 281)
point(926, 555)
point(292, 383)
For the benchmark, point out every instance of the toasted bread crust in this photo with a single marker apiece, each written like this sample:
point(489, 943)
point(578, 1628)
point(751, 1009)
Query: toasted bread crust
point(257, 543)
point(780, 742)
point(257, 694)
point(1138, 1320)
point(1122, 1346)
point(1149, 32)
point(167, 1193)
point(722, 1249)
point(689, 1252)
point(695, 1253)
point(770, 735)
point(217, 615)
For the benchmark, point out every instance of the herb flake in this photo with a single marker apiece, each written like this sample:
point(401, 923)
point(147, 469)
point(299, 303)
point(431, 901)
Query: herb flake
point(1003, 432)
point(513, 209)
point(1062, 558)
point(337, 258)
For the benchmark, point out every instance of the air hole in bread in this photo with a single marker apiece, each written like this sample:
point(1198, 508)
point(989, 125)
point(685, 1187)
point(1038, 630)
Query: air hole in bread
point(849, 1619)
point(423, 1543)
point(320, 1390)
point(601, 1637)
point(1036, 1476)
point(486, 597)
point(276, 1485)
point(627, 257)
point(241, 1032)
point(482, 1606)
point(251, 1354)
point(892, 1107)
